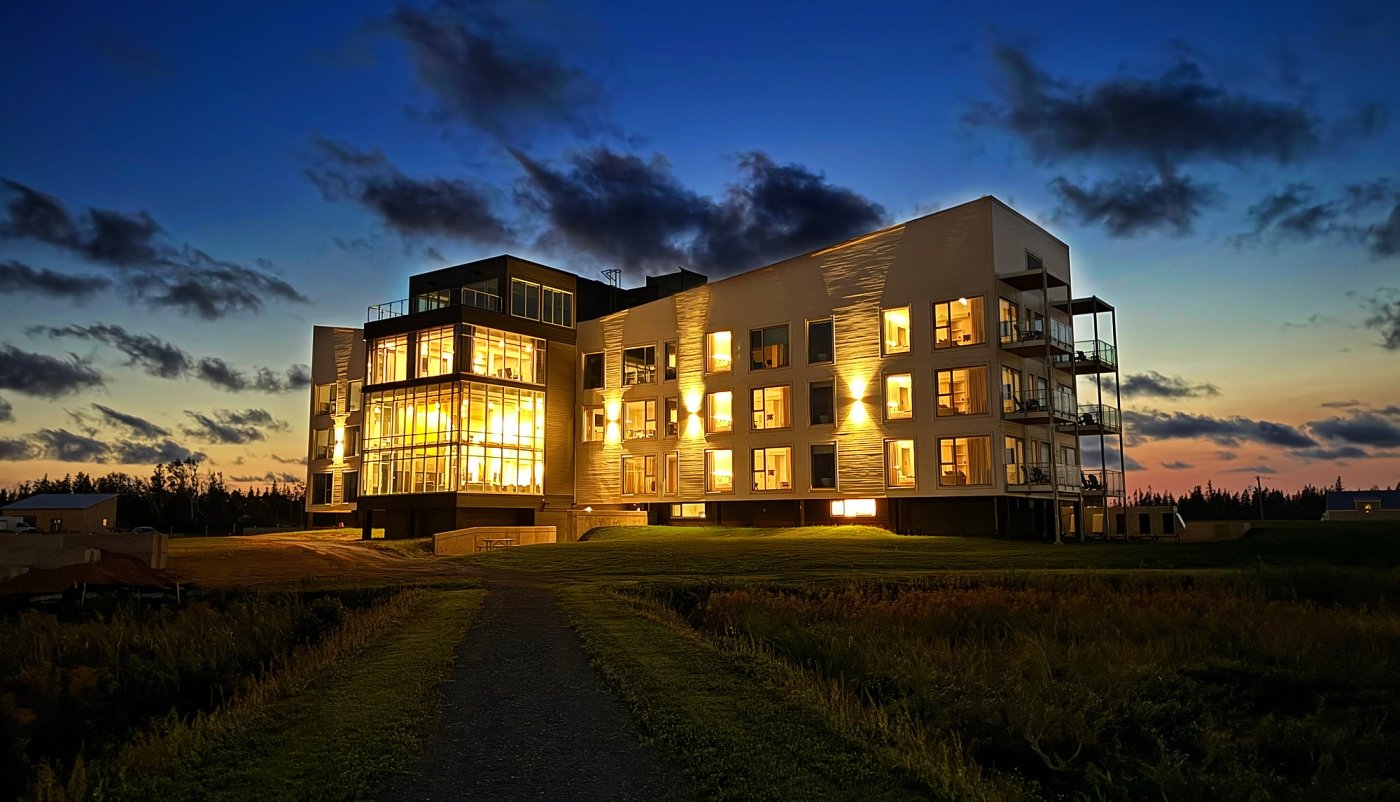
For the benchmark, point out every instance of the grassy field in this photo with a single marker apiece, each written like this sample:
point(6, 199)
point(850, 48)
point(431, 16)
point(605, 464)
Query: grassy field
point(772, 664)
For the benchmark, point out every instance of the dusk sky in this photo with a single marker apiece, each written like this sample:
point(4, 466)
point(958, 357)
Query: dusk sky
point(189, 187)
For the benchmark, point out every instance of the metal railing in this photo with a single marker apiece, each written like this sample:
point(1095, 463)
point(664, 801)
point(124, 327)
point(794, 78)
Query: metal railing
point(1039, 474)
point(462, 296)
point(1102, 482)
point(1037, 401)
point(1100, 415)
point(1090, 351)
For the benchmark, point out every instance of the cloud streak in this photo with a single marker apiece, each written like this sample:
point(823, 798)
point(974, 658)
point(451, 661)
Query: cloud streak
point(232, 427)
point(1135, 203)
point(1152, 384)
point(45, 376)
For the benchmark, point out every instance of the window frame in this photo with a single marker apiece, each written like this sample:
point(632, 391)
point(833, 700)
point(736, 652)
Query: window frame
point(973, 300)
point(831, 357)
point(762, 399)
point(710, 370)
point(991, 469)
point(913, 463)
point(646, 459)
point(709, 471)
point(754, 468)
point(709, 411)
point(603, 373)
point(649, 367)
point(938, 392)
point(761, 332)
point(885, 350)
point(649, 405)
point(525, 313)
point(835, 466)
point(670, 360)
point(885, 395)
point(669, 428)
point(587, 427)
point(830, 384)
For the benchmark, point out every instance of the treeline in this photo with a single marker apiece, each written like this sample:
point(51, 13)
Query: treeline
point(179, 497)
point(1213, 504)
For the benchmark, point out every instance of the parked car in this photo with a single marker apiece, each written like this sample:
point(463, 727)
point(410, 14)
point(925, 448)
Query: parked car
point(145, 530)
point(16, 524)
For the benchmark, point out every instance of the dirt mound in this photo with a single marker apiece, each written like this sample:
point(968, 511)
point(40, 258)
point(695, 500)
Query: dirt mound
point(113, 570)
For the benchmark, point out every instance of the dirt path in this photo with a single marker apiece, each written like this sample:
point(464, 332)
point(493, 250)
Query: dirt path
point(526, 716)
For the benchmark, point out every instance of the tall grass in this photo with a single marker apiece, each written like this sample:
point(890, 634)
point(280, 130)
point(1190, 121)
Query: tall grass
point(76, 695)
point(1093, 687)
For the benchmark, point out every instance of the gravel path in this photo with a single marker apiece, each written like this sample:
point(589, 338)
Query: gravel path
point(526, 716)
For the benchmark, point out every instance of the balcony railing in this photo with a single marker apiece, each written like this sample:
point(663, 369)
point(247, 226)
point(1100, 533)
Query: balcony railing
point(1039, 404)
point(1090, 356)
point(1030, 336)
point(1103, 482)
point(1039, 476)
point(462, 296)
point(1094, 418)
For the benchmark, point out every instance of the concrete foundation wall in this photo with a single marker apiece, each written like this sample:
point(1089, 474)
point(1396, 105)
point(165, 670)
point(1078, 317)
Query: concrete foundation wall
point(471, 540)
point(1358, 515)
point(574, 524)
point(56, 551)
point(150, 549)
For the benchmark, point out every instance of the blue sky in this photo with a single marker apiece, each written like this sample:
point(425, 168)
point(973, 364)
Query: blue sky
point(351, 144)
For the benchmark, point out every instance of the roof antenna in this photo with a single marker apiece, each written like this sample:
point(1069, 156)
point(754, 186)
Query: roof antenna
point(614, 276)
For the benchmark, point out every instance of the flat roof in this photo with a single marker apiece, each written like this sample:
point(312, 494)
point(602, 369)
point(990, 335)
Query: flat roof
point(61, 501)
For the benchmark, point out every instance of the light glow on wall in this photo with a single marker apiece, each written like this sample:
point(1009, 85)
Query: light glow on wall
point(859, 415)
point(853, 508)
point(339, 452)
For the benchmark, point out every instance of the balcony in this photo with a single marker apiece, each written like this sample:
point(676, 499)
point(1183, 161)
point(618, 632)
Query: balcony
point(1097, 419)
point(1030, 339)
point(1090, 356)
point(1037, 407)
point(462, 296)
point(1033, 477)
point(1103, 483)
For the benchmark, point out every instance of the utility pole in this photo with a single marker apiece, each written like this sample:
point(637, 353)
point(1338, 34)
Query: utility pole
point(1259, 492)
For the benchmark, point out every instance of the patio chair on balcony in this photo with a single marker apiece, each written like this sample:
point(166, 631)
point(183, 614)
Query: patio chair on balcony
point(1038, 477)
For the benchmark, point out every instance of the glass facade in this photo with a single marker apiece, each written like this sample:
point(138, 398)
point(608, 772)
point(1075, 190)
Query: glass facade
point(503, 354)
point(467, 437)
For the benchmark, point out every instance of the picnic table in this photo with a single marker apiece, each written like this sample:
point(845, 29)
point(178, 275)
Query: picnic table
point(488, 543)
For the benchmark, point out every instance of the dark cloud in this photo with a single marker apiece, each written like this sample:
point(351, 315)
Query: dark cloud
point(288, 460)
point(480, 71)
point(1136, 203)
point(1177, 465)
point(778, 211)
point(148, 268)
point(137, 426)
point(129, 453)
point(1383, 239)
point(410, 206)
point(166, 360)
point(1323, 453)
point(15, 450)
point(17, 278)
point(627, 211)
point(232, 427)
point(1341, 404)
point(1155, 385)
point(1256, 469)
point(65, 446)
point(7, 411)
point(1299, 213)
point(271, 477)
point(45, 376)
point(1360, 429)
point(1384, 317)
point(1233, 431)
point(1178, 116)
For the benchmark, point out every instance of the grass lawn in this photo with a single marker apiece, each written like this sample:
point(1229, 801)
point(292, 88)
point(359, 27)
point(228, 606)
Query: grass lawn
point(774, 663)
point(341, 734)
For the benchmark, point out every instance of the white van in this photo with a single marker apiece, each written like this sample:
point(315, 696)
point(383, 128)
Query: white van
point(14, 523)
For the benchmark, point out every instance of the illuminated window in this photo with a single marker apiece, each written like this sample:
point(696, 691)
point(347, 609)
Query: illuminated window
point(356, 392)
point(639, 365)
point(895, 324)
point(964, 461)
point(1010, 389)
point(671, 479)
point(593, 371)
point(899, 396)
point(719, 358)
point(503, 354)
point(1008, 319)
point(352, 441)
point(719, 411)
point(322, 444)
point(1014, 460)
point(639, 419)
point(899, 463)
point(671, 416)
point(853, 508)
point(821, 403)
point(821, 341)
point(719, 471)
point(595, 424)
point(824, 466)
point(435, 351)
point(525, 299)
point(557, 306)
point(959, 322)
point(690, 510)
point(639, 475)
point(772, 407)
point(668, 360)
point(962, 391)
point(772, 468)
point(323, 403)
point(768, 347)
point(388, 360)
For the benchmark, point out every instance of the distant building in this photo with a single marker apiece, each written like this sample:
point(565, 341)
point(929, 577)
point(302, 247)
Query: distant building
point(333, 446)
point(924, 377)
point(1362, 505)
point(67, 512)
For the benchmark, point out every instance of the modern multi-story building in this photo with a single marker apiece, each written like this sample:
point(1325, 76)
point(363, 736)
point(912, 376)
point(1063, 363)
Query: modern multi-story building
point(925, 377)
point(333, 439)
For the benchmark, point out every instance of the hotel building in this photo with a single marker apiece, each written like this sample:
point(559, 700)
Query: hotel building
point(925, 377)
